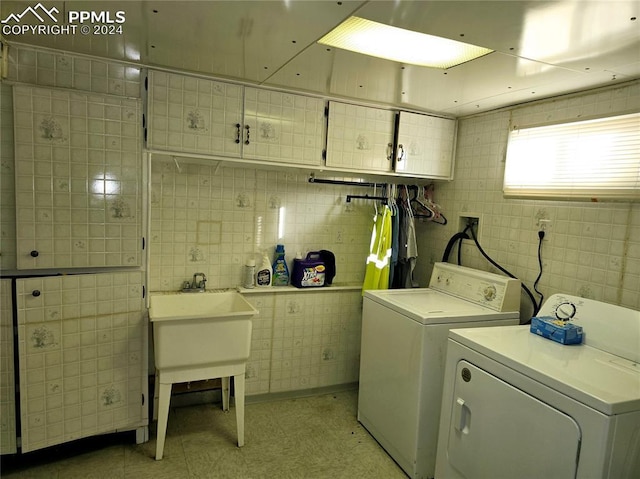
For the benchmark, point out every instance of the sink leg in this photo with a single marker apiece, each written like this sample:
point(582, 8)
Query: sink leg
point(163, 416)
point(156, 387)
point(238, 382)
point(226, 382)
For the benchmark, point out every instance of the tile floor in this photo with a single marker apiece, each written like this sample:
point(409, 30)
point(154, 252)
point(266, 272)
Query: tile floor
point(314, 437)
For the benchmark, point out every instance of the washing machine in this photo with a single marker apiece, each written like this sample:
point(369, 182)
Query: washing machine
point(404, 336)
point(518, 405)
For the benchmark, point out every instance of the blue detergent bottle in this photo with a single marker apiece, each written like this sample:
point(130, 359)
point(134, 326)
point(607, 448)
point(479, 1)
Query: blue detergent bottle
point(280, 268)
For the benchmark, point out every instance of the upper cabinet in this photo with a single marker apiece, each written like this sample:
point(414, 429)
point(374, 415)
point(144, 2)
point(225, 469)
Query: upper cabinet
point(78, 179)
point(282, 127)
point(189, 114)
point(360, 138)
point(193, 115)
point(383, 141)
point(425, 146)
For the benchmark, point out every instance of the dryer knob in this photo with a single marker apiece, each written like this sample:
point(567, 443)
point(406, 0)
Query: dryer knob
point(565, 311)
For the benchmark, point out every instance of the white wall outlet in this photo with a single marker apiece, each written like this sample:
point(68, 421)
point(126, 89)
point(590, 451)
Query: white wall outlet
point(544, 225)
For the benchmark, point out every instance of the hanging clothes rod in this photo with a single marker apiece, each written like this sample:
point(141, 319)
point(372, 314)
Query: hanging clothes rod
point(313, 179)
point(366, 197)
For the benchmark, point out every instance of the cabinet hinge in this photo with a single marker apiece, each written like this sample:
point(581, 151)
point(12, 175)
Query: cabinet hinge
point(146, 83)
point(144, 291)
point(143, 243)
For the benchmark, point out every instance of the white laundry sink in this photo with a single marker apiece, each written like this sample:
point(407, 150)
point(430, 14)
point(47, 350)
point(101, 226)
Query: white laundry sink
point(199, 336)
point(192, 330)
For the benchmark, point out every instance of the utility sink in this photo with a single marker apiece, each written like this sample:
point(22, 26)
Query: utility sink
point(200, 329)
point(199, 336)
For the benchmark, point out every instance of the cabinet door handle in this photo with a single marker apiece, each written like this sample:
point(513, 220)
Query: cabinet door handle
point(238, 132)
point(389, 151)
point(35, 293)
point(248, 128)
point(401, 153)
point(34, 253)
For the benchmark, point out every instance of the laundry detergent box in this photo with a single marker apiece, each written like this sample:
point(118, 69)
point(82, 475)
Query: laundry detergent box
point(563, 332)
point(309, 272)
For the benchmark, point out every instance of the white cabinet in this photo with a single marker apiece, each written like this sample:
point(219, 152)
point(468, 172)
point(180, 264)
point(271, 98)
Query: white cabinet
point(208, 117)
point(82, 362)
point(425, 146)
point(283, 127)
point(78, 179)
point(188, 114)
point(7, 373)
point(360, 138)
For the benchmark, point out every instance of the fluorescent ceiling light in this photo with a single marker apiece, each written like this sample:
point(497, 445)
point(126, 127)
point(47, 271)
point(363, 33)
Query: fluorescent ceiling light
point(399, 45)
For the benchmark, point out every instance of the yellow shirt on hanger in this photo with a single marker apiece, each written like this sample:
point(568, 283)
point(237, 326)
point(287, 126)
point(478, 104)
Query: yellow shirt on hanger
point(377, 272)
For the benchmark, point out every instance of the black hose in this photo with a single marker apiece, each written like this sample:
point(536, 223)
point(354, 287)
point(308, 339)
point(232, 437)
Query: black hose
point(535, 284)
point(526, 290)
point(452, 242)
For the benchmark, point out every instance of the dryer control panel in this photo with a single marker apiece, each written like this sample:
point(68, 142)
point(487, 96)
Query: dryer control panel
point(493, 291)
point(606, 326)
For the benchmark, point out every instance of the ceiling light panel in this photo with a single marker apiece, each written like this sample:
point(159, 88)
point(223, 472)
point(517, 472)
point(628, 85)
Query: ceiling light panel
point(405, 46)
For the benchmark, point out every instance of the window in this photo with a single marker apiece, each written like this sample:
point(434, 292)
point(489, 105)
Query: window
point(593, 159)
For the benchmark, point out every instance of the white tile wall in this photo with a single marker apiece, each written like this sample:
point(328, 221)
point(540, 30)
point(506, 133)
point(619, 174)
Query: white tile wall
point(7, 374)
point(29, 65)
point(211, 220)
point(591, 250)
point(81, 356)
point(303, 340)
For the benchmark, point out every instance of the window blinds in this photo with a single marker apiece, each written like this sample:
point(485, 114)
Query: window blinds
point(593, 159)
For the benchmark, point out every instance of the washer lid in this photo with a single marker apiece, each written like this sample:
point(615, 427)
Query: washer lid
point(603, 381)
point(428, 306)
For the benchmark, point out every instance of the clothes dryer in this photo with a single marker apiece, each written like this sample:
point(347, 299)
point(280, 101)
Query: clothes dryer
point(518, 405)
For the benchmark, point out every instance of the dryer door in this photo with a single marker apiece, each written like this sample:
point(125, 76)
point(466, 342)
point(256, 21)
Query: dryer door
point(498, 431)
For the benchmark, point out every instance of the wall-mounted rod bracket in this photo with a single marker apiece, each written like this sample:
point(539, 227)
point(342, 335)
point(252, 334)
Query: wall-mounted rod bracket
point(313, 179)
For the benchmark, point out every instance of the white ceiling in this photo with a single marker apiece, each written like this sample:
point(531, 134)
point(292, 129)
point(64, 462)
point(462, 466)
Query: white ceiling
point(542, 48)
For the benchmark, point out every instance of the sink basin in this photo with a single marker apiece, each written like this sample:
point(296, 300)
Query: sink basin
point(192, 330)
point(199, 336)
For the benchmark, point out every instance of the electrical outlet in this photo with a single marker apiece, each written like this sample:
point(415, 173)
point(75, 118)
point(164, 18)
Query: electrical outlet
point(544, 225)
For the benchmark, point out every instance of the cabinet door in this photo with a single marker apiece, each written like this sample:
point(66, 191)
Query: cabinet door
point(7, 374)
point(359, 138)
point(194, 115)
point(283, 127)
point(425, 146)
point(78, 179)
point(81, 358)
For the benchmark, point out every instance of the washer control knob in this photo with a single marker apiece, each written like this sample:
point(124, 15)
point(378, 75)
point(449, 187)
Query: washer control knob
point(489, 293)
point(565, 311)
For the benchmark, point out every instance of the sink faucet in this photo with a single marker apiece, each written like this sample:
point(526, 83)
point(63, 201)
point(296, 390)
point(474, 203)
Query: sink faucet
point(195, 286)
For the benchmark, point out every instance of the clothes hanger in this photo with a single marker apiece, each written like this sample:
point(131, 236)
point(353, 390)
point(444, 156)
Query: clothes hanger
point(419, 209)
